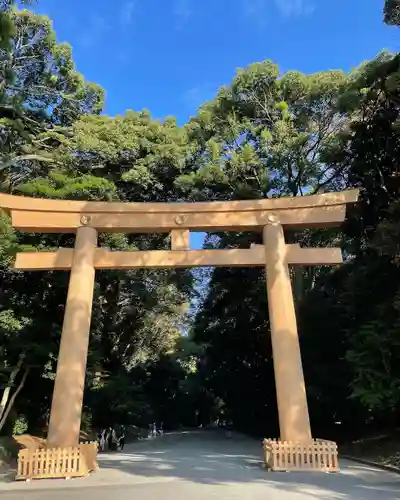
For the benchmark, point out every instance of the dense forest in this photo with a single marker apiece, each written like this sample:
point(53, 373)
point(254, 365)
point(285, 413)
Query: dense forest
point(186, 347)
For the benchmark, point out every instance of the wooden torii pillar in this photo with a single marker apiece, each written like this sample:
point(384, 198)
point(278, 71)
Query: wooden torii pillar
point(86, 219)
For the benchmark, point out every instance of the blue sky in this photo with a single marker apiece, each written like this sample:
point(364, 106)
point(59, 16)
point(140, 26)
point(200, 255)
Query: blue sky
point(169, 56)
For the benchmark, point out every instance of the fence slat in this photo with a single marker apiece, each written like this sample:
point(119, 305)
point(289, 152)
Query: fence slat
point(57, 458)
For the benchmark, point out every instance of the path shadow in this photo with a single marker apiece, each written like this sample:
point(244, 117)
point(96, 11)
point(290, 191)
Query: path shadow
point(7, 474)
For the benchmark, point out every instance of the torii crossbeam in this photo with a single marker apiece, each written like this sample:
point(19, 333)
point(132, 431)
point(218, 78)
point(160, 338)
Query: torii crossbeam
point(86, 219)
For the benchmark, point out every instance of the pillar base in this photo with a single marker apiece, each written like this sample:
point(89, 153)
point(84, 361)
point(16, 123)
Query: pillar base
point(317, 455)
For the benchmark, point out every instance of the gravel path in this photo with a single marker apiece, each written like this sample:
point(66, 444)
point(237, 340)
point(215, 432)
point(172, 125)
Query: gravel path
point(205, 465)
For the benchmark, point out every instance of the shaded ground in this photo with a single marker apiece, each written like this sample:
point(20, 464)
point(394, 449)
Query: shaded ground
point(384, 449)
point(203, 465)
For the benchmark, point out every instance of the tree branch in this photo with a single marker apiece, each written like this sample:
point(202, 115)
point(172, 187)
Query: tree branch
point(13, 398)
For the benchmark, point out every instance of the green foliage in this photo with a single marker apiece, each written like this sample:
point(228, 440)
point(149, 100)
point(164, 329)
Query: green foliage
point(58, 185)
point(266, 134)
point(8, 240)
point(142, 156)
point(392, 12)
point(362, 299)
point(40, 94)
point(7, 25)
point(20, 425)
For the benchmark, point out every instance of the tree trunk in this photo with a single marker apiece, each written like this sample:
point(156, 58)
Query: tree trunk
point(298, 285)
point(12, 399)
point(7, 389)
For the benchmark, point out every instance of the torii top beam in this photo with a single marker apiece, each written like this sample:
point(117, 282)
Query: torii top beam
point(57, 216)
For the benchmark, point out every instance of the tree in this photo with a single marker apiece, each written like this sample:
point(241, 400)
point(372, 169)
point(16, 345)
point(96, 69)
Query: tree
point(392, 12)
point(7, 26)
point(362, 299)
point(40, 93)
point(265, 135)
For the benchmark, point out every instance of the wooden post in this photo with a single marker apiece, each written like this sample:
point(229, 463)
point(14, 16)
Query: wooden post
point(66, 409)
point(180, 239)
point(294, 420)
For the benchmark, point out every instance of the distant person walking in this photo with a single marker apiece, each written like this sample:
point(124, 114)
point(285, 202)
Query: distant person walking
point(102, 443)
point(112, 441)
point(109, 438)
point(121, 438)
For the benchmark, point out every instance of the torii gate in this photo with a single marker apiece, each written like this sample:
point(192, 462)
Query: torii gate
point(86, 219)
